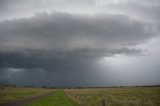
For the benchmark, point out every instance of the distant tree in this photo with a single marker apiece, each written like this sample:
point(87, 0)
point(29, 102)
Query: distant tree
point(30, 86)
point(53, 87)
point(44, 87)
point(79, 87)
point(121, 86)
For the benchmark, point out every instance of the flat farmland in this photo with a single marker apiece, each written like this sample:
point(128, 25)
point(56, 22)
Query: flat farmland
point(127, 96)
point(8, 94)
point(122, 96)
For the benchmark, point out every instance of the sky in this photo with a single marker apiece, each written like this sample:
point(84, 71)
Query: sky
point(70, 43)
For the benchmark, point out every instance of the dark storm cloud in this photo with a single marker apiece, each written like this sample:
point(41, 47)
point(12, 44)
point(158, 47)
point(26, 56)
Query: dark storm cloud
point(27, 76)
point(59, 38)
point(55, 68)
point(68, 49)
point(61, 30)
point(58, 60)
point(58, 69)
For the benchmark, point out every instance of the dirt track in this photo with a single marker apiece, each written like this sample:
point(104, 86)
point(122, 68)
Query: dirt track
point(22, 102)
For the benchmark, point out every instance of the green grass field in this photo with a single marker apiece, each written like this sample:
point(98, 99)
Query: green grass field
point(126, 96)
point(15, 93)
point(57, 98)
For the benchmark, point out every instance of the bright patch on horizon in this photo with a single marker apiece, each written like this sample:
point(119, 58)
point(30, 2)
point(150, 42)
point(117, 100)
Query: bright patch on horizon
point(119, 60)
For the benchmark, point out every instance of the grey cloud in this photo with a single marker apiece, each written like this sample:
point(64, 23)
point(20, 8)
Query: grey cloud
point(63, 41)
point(21, 8)
point(145, 10)
point(128, 51)
point(61, 30)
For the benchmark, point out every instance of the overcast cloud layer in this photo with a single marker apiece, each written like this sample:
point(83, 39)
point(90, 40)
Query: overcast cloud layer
point(79, 42)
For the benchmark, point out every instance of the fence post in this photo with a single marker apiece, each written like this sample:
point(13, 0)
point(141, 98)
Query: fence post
point(103, 102)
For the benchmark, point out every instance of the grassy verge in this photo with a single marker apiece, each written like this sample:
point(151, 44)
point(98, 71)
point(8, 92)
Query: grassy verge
point(58, 98)
point(14, 93)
